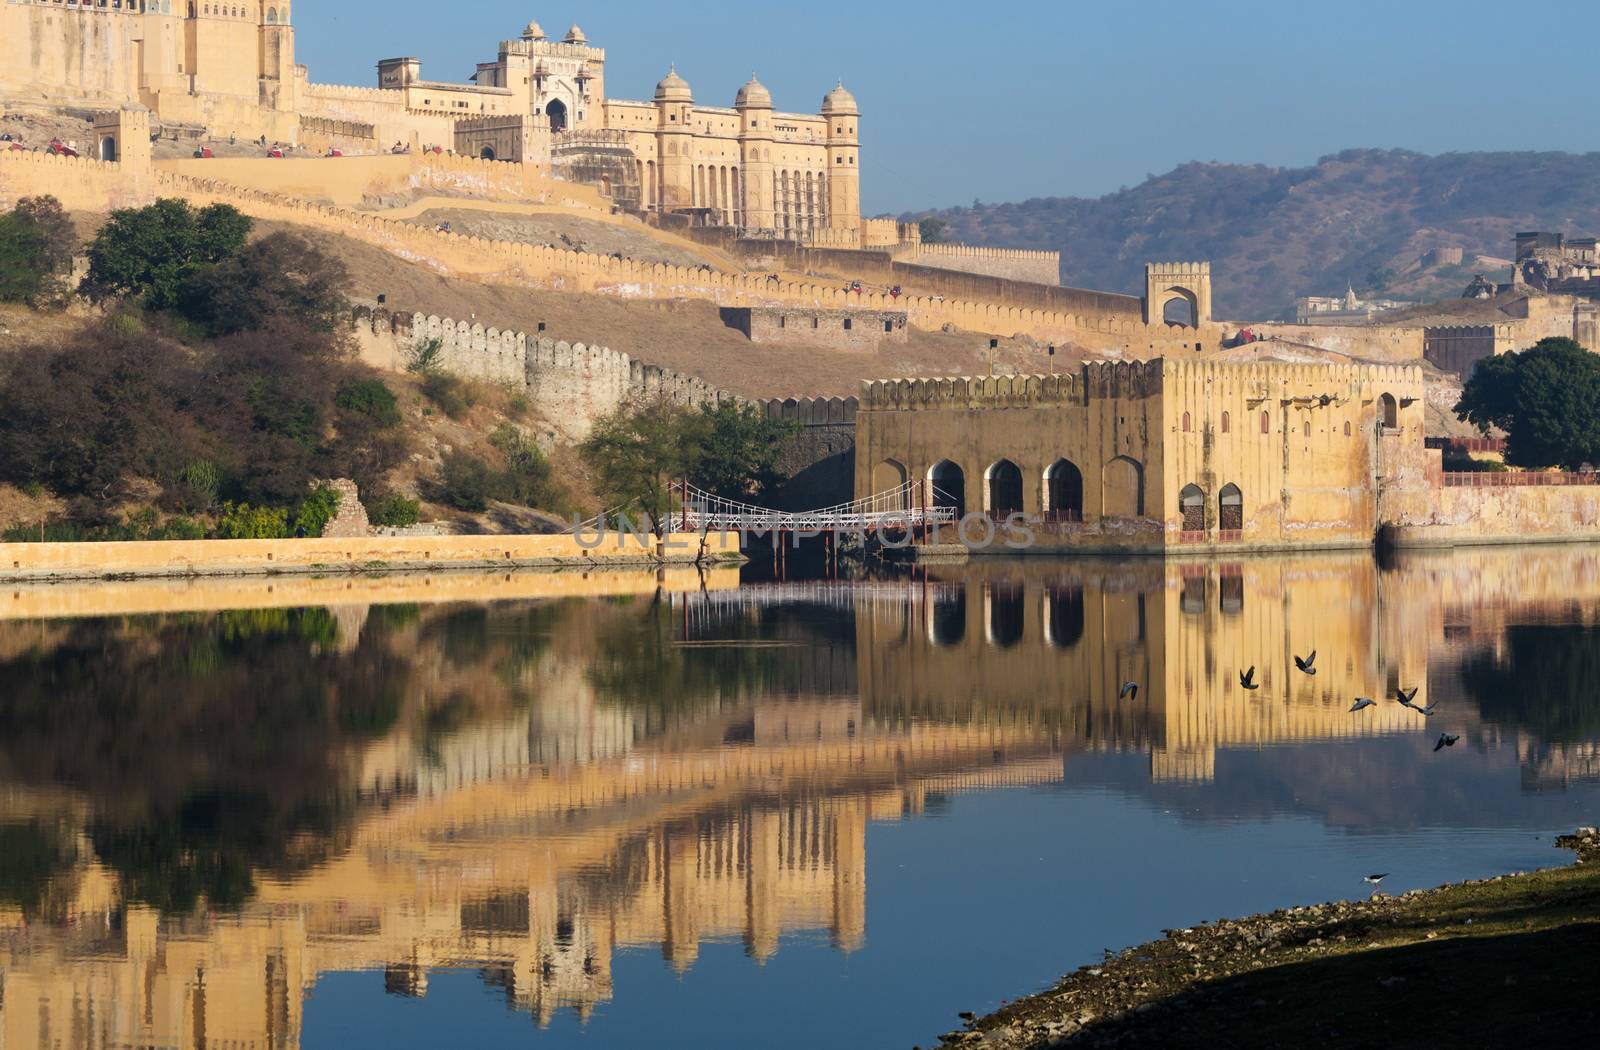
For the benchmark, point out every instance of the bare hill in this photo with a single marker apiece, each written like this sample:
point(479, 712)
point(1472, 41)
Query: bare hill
point(1361, 216)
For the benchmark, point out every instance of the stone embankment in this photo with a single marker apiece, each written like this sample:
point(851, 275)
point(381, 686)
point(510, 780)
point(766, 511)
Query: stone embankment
point(333, 555)
point(1506, 961)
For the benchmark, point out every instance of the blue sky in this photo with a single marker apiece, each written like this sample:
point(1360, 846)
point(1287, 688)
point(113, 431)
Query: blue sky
point(1010, 100)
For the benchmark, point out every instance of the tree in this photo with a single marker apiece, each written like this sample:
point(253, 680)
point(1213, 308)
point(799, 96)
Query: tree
point(934, 231)
point(150, 253)
point(1546, 399)
point(735, 448)
point(280, 279)
point(637, 455)
point(36, 247)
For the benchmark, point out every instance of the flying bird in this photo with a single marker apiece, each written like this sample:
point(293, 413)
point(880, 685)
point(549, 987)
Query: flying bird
point(1305, 663)
point(1429, 710)
point(1445, 740)
point(1362, 703)
point(1248, 678)
point(1404, 697)
point(1129, 690)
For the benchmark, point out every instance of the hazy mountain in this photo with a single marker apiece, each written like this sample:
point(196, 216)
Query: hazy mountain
point(1361, 216)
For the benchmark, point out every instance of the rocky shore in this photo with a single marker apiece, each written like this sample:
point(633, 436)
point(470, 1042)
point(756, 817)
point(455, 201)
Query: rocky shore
point(1507, 961)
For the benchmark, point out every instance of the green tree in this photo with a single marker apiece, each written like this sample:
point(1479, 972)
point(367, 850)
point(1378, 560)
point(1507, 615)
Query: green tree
point(244, 522)
point(150, 253)
point(279, 280)
point(1546, 399)
point(735, 449)
point(934, 231)
point(22, 246)
point(371, 398)
point(637, 456)
point(315, 511)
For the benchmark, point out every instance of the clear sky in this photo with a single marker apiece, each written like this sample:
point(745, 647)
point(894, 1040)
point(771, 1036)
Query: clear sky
point(1023, 98)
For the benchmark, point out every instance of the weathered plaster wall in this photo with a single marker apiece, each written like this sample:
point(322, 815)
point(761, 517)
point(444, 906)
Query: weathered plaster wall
point(1012, 264)
point(862, 330)
point(1515, 514)
point(1364, 342)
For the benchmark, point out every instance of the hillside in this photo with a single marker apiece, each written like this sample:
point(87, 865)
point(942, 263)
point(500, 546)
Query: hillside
point(1361, 216)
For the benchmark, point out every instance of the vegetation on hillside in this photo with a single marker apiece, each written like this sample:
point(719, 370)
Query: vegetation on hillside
point(36, 246)
point(1546, 399)
point(730, 450)
point(1275, 233)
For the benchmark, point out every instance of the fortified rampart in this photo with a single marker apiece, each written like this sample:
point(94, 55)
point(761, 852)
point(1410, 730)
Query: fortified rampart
point(1012, 264)
point(863, 330)
point(95, 186)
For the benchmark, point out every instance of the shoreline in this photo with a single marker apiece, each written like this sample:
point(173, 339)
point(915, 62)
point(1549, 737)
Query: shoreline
point(1426, 968)
point(327, 556)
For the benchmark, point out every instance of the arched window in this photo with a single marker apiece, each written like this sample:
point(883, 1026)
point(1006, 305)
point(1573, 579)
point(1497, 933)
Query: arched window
point(1005, 489)
point(1063, 486)
point(1347, 428)
point(1063, 611)
point(949, 484)
point(557, 112)
point(1004, 614)
point(1122, 488)
point(1388, 412)
point(487, 153)
point(1230, 509)
point(1186, 423)
point(1192, 504)
point(1227, 423)
point(1266, 423)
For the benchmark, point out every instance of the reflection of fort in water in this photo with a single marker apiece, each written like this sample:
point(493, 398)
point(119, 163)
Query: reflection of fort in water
point(533, 844)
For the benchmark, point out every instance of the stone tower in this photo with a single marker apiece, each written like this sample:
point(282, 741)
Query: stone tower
point(754, 103)
point(123, 137)
point(1189, 281)
point(844, 159)
point(675, 141)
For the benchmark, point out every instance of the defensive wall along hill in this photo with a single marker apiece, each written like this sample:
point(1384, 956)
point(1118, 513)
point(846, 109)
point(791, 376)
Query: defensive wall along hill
point(90, 185)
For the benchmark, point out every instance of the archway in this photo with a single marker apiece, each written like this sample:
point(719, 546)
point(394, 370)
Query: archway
point(1063, 613)
point(557, 112)
point(890, 477)
point(1122, 489)
point(947, 621)
point(949, 485)
point(1181, 309)
point(108, 149)
point(1063, 486)
point(1230, 509)
point(487, 153)
point(1192, 505)
point(1004, 614)
point(1388, 412)
point(1004, 479)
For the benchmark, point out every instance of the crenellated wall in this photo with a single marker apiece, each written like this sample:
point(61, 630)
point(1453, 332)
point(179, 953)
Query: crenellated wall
point(1012, 264)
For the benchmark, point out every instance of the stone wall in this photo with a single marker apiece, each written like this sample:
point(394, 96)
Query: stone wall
point(864, 330)
point(1459, 348)
point(1012, 264)
point(1365, 342)
point(1501, 514)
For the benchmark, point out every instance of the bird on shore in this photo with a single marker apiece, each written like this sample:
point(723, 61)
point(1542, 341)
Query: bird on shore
point(1404, 698)
point(1129, 690)
point(967, 1015)
point(1445, 740)
point(1374, 880)
point(1305, 663)
point(1248, 678)
point(1362, 703)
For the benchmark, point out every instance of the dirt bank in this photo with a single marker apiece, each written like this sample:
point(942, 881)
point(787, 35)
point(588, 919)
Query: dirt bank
point(1502, 962)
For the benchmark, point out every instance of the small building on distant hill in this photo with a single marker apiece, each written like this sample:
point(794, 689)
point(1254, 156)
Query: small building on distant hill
point(1346, 309)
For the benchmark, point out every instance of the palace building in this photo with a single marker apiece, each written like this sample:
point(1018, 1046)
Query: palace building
point(208, 69)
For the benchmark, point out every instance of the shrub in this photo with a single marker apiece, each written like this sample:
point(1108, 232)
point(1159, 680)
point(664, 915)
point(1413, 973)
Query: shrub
point(396, 511)
point(466, 482)
point(315, 511)
point(244, 522)
point(425, 356)
point(526, 479)
point(200, 483)
point(280, 279)
point(452, 394)
point(371, 398)
point(518, 404)
point(36, 246)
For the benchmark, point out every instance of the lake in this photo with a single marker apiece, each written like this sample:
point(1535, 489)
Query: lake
point(680, 810)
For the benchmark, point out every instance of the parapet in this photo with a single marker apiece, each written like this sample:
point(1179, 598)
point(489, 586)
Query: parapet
point(1105, 381)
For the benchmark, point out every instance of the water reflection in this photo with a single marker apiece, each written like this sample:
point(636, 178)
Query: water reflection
point(201, 812)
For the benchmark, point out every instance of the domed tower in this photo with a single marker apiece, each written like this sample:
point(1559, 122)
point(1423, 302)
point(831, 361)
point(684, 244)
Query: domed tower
point(844, 159)
point(675, 141)
point(754, 103)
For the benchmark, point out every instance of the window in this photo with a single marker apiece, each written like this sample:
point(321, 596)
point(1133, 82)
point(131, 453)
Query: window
point(1266, 423)
point(1388, 412)
point(1186, 423)
point(1227, 423)
point(1347, 428)
point(847, 324)
point(1192, 504)
point(888, 327)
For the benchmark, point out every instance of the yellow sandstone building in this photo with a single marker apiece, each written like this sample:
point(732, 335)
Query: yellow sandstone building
point(228, 69)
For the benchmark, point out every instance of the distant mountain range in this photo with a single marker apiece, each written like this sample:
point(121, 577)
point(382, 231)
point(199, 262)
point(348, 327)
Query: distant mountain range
point(1361, 217)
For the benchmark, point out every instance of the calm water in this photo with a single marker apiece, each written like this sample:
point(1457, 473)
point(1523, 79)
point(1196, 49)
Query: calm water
point(629, 810)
